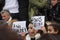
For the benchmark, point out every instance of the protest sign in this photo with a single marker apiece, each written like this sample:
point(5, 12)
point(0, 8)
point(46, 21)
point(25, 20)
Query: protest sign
point(38, 21)
point(19, 26)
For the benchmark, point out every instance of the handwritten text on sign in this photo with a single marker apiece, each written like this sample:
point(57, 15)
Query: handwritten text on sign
point(19, 26)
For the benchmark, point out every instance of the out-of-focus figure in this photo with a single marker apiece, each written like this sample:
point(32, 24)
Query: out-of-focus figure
point(32, 33)
point(54, 11)
point(36, 7)
point(6, 33)
point(6, 17)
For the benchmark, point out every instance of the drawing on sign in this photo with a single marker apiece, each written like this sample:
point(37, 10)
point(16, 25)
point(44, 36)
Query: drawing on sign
point(38, 21)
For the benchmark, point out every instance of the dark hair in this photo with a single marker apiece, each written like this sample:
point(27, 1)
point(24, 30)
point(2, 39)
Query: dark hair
point(58, 0)
point(6, 33)
point(45, 25)
point(56, 26)
point(47, 37)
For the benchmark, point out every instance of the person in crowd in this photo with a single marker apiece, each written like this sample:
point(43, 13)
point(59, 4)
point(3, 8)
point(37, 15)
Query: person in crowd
point(6, 33)
point(12, 7)
point(54, 11)
point(18, 9)
point(47, 37)
point(36, 7)
point(54, 29)
point(6, 17)
point(32, 33)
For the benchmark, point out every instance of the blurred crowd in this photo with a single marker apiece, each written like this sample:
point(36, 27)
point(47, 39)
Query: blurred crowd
point(22, 10)
point(51, 31)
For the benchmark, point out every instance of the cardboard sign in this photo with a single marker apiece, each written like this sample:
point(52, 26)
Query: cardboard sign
point(19, 26)
point(38, 21)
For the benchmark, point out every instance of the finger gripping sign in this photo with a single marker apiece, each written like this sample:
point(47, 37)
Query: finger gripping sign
point(38, 21)
point(19, 26)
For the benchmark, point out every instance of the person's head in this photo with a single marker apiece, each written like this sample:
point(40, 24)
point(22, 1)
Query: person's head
point(31, 29)
point(54, 2)
point(6, 33)
point(53, 28)
point(47, 37)
point(5, 15)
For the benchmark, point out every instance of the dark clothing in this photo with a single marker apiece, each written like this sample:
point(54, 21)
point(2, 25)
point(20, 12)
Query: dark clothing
point(0, 17)
point(23, 10)
point(32, 38)
point(15, 15)
point(54, 13)
point(42, 12)
point(2, 2)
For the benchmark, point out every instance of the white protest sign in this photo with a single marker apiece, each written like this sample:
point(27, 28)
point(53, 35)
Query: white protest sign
point(38, 21)
point(19, 26)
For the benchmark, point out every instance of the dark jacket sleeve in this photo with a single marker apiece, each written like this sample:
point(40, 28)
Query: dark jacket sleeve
point(2, 3)
point(23, 9)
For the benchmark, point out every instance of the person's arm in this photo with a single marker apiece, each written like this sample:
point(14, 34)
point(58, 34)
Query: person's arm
point(38, 3)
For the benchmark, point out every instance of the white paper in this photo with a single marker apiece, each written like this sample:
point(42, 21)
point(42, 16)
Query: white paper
point(19, 26)
point(38, 21)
